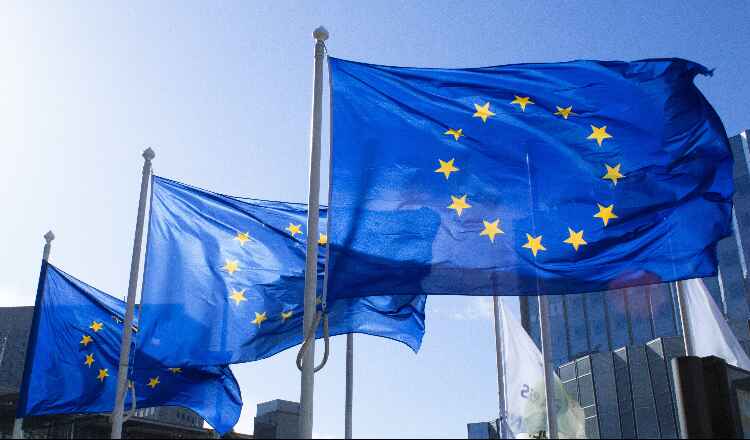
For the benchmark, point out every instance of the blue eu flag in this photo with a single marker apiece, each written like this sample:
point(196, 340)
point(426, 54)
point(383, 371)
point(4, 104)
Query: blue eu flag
point(224, 280)
point(73, 354)
point(523, 179)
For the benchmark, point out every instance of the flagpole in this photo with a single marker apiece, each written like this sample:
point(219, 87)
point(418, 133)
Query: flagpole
point(48, 237)
point(548, 373)
point(684, 320)
point(543, 327)
point(349, 385)
point(135, 262)
point(311, 258)
point(500, 368)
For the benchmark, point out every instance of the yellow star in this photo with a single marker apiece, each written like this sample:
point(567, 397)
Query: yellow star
point(259, 318)
point(455, 133)
point(613, 173)
point(231, 266)
point(294, 229)
point(599, 133)
point(153, 382)
point(523, 101)
point(130, 384)
point(491, 229)
point(103, 372)
point(483, 111)
point(242, 237)
point(85, 340)
point(446, 168)
point(175, 370)
point(459, 204)
point(286, 315)
point(318, 300)
point(575, 239)
point(89, 360)
point(605, 213)
point(564, 112)
point(96, 326)
point(323, 240)
point(238, 296)
point(534, 243)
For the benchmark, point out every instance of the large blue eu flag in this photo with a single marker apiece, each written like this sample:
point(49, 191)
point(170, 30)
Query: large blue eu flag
point(73, 354)
point(224, 281)
point(523, 179)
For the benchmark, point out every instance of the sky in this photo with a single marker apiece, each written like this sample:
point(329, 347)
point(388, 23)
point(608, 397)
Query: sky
point(222, 92)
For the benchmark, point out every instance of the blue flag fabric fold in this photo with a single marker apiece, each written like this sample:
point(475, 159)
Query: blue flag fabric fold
point(224, 281)
point(523, 179)
point(73, 355)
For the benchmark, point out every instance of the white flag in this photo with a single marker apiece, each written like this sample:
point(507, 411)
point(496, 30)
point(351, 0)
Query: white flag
point(525, 400)
point(709, 332)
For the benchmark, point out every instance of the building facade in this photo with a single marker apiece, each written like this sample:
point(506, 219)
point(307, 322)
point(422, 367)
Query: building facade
point(277, 419)
point(627, 392)
point(486, 430)
point(582, 324)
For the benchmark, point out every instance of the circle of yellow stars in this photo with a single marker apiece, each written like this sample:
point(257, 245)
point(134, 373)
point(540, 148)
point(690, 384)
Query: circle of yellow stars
point(103, 373)
point(492, 228)
point(239, 296)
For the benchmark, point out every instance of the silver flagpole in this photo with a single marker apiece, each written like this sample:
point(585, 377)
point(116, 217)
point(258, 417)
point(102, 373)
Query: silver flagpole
point(48, 237)
point(500, 369)
point(349, 385)
point(544, 330)
point(548, 372)
point(683, 318)
point(135, 262)
point(311, 258)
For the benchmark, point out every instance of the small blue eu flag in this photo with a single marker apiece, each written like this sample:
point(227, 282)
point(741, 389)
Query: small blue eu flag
point(224, 280)
point(523, 179)
point(73, 356)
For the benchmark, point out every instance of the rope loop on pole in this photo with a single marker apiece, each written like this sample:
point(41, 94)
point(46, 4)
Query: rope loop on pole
point(306, 340)
point(310, 337)
point(326, 343)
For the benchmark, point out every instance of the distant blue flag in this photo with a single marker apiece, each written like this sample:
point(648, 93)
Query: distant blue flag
point(523, 179)
point(73, 356)
point(224, 281)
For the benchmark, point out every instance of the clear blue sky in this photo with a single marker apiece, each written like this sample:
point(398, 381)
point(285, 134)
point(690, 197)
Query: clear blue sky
point(222, 90)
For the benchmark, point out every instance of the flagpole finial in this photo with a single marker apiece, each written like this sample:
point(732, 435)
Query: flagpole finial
point(148, 154)
point(320, 34)
point(49, 236)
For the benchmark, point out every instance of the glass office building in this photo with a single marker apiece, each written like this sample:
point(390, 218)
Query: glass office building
point(582, 324)
point(628, 392)
point(483, 430)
